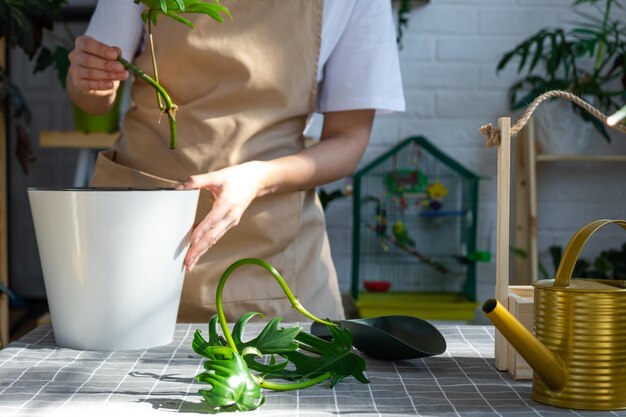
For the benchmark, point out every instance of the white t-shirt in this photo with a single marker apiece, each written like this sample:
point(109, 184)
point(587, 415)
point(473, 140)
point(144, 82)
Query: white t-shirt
point(358, 65)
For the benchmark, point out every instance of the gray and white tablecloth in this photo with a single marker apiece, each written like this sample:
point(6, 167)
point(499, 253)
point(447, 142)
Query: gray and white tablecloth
point(37, 378)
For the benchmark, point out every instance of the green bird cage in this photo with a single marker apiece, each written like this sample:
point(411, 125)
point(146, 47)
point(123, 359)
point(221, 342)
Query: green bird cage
point(414, 234)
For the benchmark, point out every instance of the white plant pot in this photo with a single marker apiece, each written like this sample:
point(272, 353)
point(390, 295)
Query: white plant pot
point(112, 262)
point(560, 131)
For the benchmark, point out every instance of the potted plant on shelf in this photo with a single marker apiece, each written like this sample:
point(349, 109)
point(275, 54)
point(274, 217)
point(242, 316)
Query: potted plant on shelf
point(588, 60)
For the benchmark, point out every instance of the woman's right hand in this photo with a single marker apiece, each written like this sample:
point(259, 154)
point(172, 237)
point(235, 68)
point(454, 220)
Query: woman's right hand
point(94, 68)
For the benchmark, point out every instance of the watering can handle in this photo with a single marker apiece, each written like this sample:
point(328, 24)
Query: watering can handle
point(575, 245)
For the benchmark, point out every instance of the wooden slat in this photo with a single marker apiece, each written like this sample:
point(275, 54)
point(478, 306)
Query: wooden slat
point(74, 139)
point(521, 264)
point(531, 151)
point(581, 158)
point(4, 270)
point(502, 231)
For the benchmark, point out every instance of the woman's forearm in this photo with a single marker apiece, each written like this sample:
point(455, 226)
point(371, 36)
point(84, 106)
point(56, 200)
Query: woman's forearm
point(344, 138)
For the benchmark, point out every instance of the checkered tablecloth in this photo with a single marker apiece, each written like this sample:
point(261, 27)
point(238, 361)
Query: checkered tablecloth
point(37, 378)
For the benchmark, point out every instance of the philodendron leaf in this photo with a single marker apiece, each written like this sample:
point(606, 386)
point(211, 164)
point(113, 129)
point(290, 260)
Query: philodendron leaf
point(233, 388)
point(271, 341)
point(335, 357)
point(201, 346)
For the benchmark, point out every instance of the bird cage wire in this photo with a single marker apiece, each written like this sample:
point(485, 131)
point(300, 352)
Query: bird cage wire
point(415, 222)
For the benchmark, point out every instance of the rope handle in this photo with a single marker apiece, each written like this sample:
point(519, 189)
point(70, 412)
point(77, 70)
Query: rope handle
point(492, 134)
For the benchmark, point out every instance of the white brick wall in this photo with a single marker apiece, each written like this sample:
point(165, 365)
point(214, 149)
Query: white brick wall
point(450, 52)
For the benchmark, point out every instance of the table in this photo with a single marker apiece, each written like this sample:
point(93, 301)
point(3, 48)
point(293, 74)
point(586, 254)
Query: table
point(37, 378)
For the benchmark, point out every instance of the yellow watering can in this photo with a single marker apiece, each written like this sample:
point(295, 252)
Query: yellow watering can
point(578, 352)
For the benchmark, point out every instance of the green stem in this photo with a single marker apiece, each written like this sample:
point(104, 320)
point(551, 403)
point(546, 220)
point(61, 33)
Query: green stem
point(153, 58)
point(170, 107)
point(246, 261)
point(296, 385)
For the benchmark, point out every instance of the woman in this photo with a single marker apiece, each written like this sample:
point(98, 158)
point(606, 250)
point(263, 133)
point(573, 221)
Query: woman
point(244, 90)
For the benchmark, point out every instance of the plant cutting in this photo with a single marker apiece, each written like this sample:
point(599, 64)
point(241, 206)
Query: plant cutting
point(174, 10)
point(587, 60)
point(232, 369)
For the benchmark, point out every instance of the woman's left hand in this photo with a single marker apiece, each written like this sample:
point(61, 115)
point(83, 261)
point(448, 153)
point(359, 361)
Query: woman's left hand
point(234, 188)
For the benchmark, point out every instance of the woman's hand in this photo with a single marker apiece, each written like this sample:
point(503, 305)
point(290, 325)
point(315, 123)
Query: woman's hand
point(234, 188)
point(94, 75)
point(93, 67)
point(344, 138)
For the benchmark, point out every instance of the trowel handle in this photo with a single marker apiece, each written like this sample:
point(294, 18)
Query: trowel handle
point(575, 245)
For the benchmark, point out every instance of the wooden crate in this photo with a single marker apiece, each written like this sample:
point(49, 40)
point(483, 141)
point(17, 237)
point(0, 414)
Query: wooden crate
point(521, 305)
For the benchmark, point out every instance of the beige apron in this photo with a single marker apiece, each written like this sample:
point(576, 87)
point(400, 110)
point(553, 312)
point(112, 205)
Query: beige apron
point(244, 89)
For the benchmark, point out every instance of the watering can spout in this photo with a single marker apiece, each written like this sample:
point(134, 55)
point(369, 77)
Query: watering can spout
point(544, 362)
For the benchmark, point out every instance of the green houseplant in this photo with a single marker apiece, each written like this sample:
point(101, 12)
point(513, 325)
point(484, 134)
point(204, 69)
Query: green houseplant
point(588, 60)
point(22, 25)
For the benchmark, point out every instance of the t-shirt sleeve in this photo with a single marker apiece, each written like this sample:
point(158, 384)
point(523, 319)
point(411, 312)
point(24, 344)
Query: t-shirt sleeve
point(117, 23)
point(363, 69)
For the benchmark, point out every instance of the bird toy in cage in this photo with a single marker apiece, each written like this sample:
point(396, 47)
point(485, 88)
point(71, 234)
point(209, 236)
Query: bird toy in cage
point(399, 237)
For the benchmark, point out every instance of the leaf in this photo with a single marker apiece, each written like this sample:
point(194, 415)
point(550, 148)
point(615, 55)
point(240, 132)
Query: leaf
point(201, 346)
point(174, 8)
point(181, 5)
point(180, 19)
point(43, 60)
point(597, 124)
point(22, 22)
point(272, 339)
point(336, 357)
point(61, 62)
point(538, 55)
point(266, 369)
point(523, 254)
point(232, 385)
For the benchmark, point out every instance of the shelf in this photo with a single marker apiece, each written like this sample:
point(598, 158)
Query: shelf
point(74, 139)
point(581, 158)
